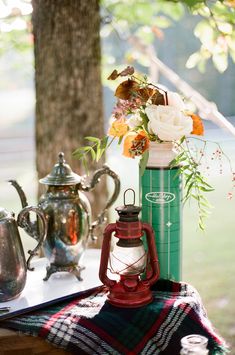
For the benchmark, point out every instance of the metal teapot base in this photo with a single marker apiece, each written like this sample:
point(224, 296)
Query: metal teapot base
point(73, 269)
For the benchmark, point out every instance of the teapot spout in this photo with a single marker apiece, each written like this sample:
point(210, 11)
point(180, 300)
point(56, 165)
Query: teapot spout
point(20, 191)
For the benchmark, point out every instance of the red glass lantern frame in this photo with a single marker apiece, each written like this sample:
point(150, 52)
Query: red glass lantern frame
point(130, 290)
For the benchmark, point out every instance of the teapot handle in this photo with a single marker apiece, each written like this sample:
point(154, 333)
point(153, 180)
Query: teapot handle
point(23, 222)
point(105, 170)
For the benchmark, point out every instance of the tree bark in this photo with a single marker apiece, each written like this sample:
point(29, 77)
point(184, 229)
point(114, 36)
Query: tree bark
point(68, 83)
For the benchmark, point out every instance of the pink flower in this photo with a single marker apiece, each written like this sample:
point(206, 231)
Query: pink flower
point(126, 107)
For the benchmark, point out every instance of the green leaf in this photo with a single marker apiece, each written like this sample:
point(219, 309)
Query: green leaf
point(173, 9)
point(120, 140)
point(204, 32)
point(163, 22)
point(202, 188)
point(143, 162)
point(173, 163)
point(92, 139)
point(93, 155)
point(104, 142)
point(188, 179)
point(76, 152)
point(193, 60)
point(145, 120)
point(220, 61)
point(79, 152)
point(84, 149)
point(201, 225)
point(181, 157)
point(185, 167)
point(189, 188)
point(78, 156)
point(84, 162)
point(208, 185)
point(98, 153)
point(145, 33)
point(202, 65)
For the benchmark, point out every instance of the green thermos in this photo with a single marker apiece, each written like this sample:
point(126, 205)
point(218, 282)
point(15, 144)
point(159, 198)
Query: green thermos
point(161, 196)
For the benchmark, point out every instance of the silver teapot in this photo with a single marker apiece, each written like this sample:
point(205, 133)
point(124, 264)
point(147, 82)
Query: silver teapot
point(68, 214)
point(13, 265)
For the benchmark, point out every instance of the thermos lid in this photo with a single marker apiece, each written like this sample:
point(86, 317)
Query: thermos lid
point(61, 174)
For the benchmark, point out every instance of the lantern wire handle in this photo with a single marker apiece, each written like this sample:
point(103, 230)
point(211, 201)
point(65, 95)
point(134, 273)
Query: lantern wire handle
point(133, 197)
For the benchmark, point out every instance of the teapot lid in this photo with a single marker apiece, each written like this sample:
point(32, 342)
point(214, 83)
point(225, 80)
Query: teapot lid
point(61, 174)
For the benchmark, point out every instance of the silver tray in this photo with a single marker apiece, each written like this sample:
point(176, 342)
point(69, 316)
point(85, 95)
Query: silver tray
point(61, 286)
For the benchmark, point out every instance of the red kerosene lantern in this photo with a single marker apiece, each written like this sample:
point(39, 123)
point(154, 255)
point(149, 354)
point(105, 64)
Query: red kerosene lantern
point(134, 268)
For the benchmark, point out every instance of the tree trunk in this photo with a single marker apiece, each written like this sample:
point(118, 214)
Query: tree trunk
point(68, 83)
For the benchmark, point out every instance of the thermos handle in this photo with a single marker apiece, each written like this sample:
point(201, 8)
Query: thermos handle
point(105, 255)
point(23, 222)
point(105, 170)
point(152, 251)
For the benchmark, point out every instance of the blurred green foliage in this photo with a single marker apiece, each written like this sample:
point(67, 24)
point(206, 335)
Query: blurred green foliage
point(19, 40)
point(144, 19)
point(147, 20)
point(15, 25)
point(16, 43)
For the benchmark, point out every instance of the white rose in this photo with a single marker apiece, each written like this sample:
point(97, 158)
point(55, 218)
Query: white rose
point(175, 100)
point(168, 122)
point(135, 121)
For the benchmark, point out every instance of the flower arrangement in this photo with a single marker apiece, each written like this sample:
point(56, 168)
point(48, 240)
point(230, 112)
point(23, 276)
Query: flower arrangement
point(146, 113)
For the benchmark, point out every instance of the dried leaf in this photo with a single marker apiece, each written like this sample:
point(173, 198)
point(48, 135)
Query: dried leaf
point(126, 89)
point(127, 71)
point(158, 98)
point(114, 75)
point(145, 93)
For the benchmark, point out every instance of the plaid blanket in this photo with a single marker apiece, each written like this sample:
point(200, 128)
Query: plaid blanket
point(90, 325)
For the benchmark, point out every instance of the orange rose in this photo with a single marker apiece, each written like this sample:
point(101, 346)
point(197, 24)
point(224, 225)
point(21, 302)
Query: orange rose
point(118, 128)
point(198, 127)
point(128, 143)
point(135, 144)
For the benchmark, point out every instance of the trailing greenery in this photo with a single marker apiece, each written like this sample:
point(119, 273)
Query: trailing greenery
point(195, 184)
point(94, 150)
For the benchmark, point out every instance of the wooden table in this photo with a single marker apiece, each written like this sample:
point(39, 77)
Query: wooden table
point(15, 343)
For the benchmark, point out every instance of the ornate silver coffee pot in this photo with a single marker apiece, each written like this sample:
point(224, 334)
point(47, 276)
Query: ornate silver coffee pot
point(68, 214)
point(13, 266)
